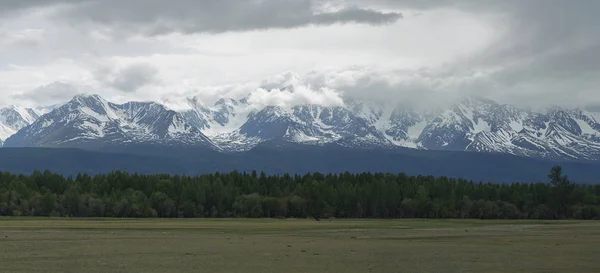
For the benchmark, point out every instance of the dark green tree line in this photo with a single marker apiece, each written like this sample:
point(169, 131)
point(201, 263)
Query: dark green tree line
point(316, 195)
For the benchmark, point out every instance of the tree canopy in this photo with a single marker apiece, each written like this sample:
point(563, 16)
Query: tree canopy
point(316, 195)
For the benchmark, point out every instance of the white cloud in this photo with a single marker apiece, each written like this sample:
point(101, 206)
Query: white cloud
point(288, 90)
point(302, 95)
point(510, 51)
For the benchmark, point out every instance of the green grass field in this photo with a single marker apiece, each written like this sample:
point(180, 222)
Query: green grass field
point(240, 245)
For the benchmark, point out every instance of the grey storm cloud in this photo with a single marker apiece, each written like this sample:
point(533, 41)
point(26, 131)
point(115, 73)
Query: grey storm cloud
point(550, 49)
point(155, 17)
point(53, 92)
point(129, 78)
point(548, 54)
point(538, 29)
point(134, 77)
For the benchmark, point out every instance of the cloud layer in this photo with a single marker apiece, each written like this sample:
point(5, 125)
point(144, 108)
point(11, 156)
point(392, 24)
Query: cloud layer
point(530, 53)
point(155, 17)
point(549, 51)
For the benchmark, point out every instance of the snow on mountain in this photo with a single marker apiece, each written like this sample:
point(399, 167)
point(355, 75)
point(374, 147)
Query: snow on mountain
point(485, 126)
point(91, 121)
point(225, 116)
point(474, 124)
point(309, 124)
point(14, 118)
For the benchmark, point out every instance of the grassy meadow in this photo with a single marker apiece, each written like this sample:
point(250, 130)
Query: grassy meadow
point(297, 245)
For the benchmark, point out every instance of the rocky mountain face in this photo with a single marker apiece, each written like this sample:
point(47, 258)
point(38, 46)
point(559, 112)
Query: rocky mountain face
point(13, 119)
point(92, 122)
point(485, 126)
point(229, 125)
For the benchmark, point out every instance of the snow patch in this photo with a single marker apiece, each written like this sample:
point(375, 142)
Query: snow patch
point(302, 137)
point(586, 129)
point(6, 132)
point(235, 121)
point(25, 114)
point(410, 143)
point(516, 126)
point(481, 126)
point(97, 128)
point(415, 131)
point(86, 110)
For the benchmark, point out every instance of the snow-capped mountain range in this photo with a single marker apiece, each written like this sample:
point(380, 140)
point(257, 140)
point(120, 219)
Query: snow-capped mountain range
point(93, 122)
point(231, 125)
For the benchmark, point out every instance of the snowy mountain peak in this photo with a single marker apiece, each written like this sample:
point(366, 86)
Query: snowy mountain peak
point(473, 124)
point(227, 102)
point(285, 82)
point(14, 118)
point(89, 100)
point(90, 120)
point(16, 113)
point(87, 96)
point(196, 103)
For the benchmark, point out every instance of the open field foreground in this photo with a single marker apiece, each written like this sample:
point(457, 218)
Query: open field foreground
point(236, 245)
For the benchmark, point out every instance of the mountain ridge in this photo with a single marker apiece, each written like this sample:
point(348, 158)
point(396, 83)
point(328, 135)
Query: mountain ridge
point(14, 118)
point(233, 125)
point(92, 122)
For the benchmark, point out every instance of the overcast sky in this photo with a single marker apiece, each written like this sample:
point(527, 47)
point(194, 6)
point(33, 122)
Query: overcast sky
point(525, 52)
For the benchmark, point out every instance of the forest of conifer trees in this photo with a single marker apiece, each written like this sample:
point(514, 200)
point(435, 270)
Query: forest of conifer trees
point(365, 195)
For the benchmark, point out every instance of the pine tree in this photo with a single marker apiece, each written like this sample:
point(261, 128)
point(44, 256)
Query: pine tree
point(561, 190)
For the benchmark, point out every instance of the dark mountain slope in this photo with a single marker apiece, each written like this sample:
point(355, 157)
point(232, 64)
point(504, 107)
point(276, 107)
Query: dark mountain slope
point(285, 157)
